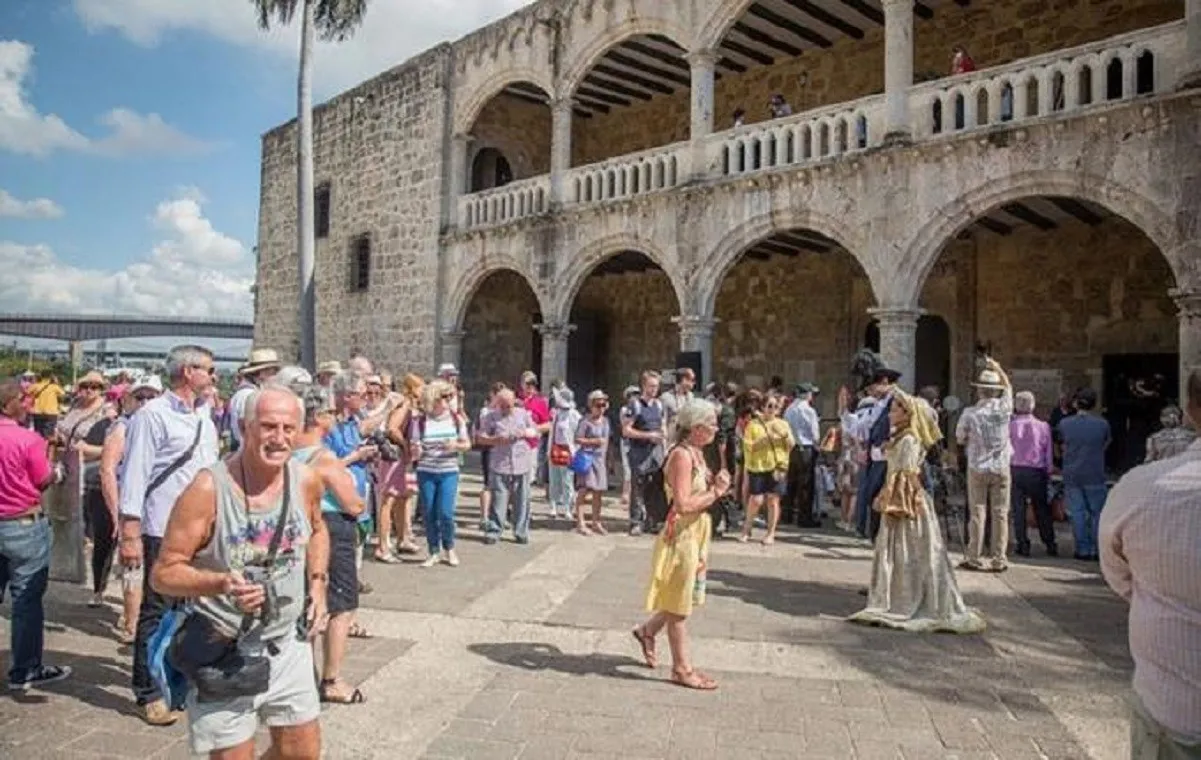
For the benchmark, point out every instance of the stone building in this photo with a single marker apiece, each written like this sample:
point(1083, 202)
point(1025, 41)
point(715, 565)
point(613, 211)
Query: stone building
point(565, 189)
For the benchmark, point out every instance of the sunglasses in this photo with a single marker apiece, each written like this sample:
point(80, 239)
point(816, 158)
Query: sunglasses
point(600, 403)
point(142, 398)
point(210, 370)
point(90, 387)
point(447, 396)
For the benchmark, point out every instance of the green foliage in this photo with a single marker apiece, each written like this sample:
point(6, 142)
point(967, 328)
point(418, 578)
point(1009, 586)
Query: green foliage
point(336, 20)
point(13, 363)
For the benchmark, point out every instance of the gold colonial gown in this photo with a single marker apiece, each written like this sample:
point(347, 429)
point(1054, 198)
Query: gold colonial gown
point(913, 586)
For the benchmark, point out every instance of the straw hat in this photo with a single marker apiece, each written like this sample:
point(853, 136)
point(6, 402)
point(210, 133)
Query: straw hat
point(989, 378)
point(92, 378)
point(259, 360)
point(329, 368)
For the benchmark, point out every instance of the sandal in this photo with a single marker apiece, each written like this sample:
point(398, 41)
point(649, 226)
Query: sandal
point(358, 632)
point(769, 540)
point(388, 558)
point(583, 530)
point(599, 529)
point(647, 643)
point(353, 698)
point(694, 679)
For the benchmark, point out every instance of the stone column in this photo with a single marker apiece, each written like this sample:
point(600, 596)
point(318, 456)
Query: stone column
point(554, 351)
point(704, 65)
point(1191, 68)
point(560, 149)
point(460, 148)
point(696, 334)
point(898, 69)
point(1188, 301)
point(898, 339)
point(452, 347)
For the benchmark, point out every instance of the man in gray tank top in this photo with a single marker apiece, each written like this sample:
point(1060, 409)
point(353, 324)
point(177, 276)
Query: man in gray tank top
point(215, 551)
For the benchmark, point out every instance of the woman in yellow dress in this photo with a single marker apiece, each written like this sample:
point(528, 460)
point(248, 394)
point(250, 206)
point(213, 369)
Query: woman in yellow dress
point(913, 586)
point(682, 548)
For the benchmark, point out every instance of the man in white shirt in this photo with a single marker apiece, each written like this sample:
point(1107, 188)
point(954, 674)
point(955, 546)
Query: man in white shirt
point(1149, 538)
point(262, 365)
point(984, 429)
point(802, 467)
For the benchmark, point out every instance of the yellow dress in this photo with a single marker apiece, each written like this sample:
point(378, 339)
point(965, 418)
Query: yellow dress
point(913, 586)
point(681, 555)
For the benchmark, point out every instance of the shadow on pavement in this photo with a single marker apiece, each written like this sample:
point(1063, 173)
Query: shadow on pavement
point(539, 656)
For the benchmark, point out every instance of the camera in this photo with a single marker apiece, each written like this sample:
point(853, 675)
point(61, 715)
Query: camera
point(388, 451)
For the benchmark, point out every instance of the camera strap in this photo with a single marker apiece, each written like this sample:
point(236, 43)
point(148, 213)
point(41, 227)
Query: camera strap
point(272, 548)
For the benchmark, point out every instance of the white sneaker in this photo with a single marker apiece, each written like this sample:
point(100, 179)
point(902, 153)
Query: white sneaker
point(430, 561)
point(451, 558)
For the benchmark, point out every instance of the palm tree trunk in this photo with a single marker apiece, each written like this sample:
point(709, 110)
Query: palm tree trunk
point(305, 234)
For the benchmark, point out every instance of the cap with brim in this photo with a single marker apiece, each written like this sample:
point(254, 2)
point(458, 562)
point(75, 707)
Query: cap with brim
point(631, 390)
point(147, 383)
point(259, 360)
point(293, 377)
point(329, 368)
point(597, 395)
point(93, 378)
point(804, 388)
point(374, 380)
point(447, 369)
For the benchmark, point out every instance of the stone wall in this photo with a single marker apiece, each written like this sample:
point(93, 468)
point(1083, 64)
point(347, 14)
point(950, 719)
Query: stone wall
point(1058, 300)
point(499, 337)
point(994, 33)
point(798, 317)
point(379, 147)
point(630, 316)
point(520, 130)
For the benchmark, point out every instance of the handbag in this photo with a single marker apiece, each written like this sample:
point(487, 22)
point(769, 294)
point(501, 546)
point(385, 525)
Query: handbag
point(560, 455)
point(207, 654)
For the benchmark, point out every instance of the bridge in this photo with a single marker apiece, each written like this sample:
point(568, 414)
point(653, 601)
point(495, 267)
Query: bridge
point(76, 328)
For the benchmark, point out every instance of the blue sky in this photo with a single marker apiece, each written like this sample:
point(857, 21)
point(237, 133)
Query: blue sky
point(129, 141)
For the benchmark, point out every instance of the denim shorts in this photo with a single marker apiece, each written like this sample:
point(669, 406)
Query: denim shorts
point(765, 483)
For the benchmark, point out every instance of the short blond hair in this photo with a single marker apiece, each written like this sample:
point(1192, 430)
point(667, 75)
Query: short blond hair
point(432, 392)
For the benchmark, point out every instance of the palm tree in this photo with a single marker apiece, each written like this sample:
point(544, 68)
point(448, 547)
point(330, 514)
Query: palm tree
point(332, 20)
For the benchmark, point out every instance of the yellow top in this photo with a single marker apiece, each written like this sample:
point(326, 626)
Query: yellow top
point(47, 396)
point(766, 444)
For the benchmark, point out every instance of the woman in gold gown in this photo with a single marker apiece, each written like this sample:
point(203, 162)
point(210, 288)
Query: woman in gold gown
point(913, 586)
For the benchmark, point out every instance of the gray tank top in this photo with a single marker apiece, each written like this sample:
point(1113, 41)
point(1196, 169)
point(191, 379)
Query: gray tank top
point(240, 541)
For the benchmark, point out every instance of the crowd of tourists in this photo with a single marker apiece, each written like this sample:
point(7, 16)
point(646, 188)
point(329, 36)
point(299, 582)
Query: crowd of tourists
point(258, 511)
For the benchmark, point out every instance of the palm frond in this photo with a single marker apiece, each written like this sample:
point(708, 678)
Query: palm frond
point(337, 20)
point(281, 10)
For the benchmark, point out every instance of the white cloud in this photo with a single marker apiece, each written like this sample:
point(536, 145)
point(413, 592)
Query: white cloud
point(193, 271)
point(393, 31)
point(38, 208)
point(26, 131)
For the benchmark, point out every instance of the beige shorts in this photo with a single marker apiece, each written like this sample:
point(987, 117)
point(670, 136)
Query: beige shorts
point(290, 700)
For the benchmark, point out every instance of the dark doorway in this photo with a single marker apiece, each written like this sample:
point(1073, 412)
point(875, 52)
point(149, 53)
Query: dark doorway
point(586, 350)
point(490, 169)
point(933, 349)
point(1136, 389)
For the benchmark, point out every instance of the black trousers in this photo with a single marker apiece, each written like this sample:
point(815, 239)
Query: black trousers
point(1031, 483)
point(145, 690)
point(802, 479)
point(870, 482)
point(104, 542)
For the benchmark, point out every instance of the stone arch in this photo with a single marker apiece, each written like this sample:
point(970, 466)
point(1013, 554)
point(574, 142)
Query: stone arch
point(596, 48)
point(909, 275)
point(470, 281)
point(717, 263)
point(710, 35)
point(467, 110)
point(583, 261)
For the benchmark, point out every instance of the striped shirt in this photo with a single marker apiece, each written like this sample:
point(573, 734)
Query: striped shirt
point(1150, 534)
point(435, 435)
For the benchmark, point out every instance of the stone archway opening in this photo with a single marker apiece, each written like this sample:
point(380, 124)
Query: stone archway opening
point(623, 324)
point(510, 138)
point(633, 98)
point(500, 340)
point(794, 305)
point(1065, 294)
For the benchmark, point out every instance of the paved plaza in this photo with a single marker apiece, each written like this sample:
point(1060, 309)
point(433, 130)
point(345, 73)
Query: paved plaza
point(525, 652)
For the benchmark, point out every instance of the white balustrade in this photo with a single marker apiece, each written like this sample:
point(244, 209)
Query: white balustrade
point(798, 139)
point(630, 175)
point(1064, 81)
point(507, 203)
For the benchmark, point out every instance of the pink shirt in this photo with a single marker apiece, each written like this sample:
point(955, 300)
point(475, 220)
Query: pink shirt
point(24, 466)
point(539, 409)
point(1031, 441)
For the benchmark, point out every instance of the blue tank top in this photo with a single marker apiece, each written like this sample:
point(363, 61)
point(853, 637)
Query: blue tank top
point(306, 456)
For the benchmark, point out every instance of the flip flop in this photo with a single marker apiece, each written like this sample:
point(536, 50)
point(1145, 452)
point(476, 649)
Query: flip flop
point(387, 559)
point(647, 643)
point(358, 632)
point(354, 698)
point(694, 679)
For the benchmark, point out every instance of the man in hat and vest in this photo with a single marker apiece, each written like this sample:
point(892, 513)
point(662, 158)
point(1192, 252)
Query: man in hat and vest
point(984, 430)
point(870, 426)
point(262, 365)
